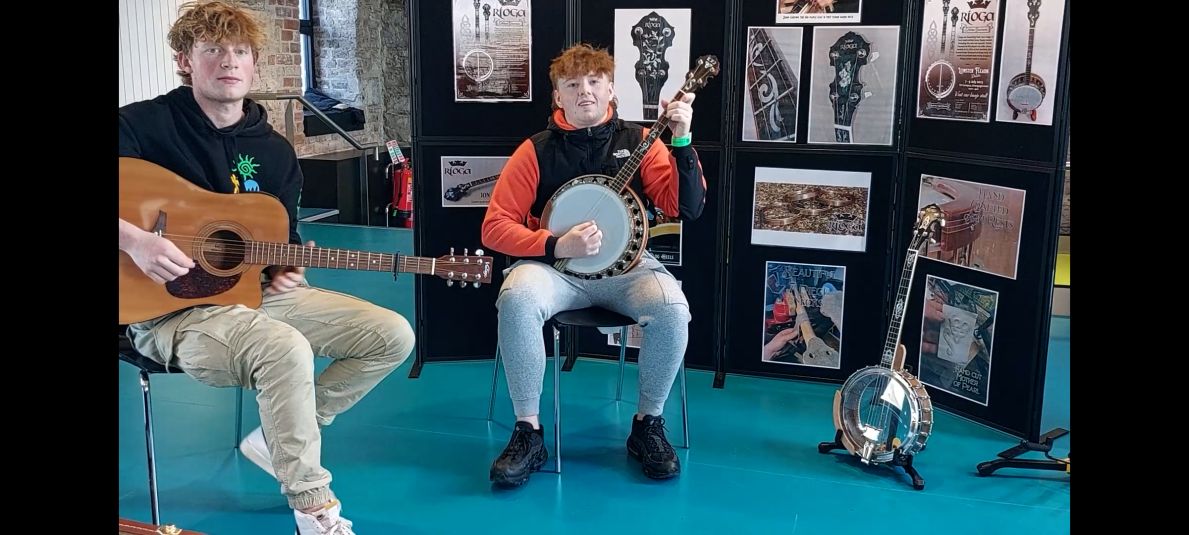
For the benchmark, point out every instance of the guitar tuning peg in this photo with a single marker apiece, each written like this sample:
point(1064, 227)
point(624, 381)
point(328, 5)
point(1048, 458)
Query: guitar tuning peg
point(451, 251)
point(478, 252)
point(450, 282)
point(476, 284)
point(464, 252)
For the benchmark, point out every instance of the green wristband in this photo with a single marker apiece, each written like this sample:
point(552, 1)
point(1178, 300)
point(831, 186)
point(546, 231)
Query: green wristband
point(683, 140)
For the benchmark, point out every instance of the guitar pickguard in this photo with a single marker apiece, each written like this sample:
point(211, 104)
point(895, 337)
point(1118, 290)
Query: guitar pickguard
point(199, 283)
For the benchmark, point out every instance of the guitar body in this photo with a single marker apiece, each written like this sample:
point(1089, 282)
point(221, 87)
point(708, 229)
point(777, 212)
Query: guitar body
point(202, 224)
point(620, 216)
point(1025, 93)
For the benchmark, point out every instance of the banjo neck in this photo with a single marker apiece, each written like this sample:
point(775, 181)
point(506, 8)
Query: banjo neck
point(624, 176)
point(930, 217)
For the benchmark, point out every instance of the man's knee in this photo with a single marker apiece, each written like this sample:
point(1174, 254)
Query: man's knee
point(277, 351)
point(525, 291)
point(397, 335)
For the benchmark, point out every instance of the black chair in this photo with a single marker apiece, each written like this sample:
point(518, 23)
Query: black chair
point(147, 368)
point(567, 321)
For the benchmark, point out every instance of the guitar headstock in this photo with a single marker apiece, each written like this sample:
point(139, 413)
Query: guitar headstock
point(652, 36)
point(930, 220)
point(468, 269)
point(704, 69)
point(847, 55)
point(1033, 11)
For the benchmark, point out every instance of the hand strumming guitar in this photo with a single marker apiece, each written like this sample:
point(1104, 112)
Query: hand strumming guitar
point(285, 278)
point(583, 239)
point(157, 257)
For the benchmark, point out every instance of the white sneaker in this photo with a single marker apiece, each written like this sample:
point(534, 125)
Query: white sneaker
point(256, 450)
point(325, 521)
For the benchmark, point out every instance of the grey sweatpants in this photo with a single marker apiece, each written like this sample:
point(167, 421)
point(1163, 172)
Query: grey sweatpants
point(533, 292)
point(271, 350)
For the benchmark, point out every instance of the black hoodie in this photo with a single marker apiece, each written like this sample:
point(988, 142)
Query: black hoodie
point(173, 132)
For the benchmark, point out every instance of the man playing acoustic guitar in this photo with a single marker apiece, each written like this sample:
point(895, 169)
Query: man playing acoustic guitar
point(208, 132)
point(585, 135)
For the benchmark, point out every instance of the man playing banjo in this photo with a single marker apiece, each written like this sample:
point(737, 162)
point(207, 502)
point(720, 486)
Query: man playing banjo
point(586, 136)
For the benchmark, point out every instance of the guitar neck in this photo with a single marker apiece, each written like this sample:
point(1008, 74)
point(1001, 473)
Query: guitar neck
point(286, 254)
point(625, 173)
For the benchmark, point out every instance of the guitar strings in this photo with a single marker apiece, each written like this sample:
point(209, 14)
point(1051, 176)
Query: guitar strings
point(240, 248)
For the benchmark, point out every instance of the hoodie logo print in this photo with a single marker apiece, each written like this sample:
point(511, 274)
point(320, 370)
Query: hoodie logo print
point(247, 169)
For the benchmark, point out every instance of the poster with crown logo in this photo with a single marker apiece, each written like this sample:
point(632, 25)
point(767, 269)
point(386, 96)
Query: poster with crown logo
point(958, 44)
point(492, 50)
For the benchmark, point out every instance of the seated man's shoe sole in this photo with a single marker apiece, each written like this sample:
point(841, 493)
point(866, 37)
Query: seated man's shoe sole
point(649, 471)
point(510, 481)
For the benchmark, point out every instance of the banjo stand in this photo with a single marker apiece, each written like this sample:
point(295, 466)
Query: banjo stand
point(1007, 458)
point(898, 459)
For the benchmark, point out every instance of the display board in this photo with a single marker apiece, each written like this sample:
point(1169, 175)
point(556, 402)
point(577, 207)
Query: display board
point(820, 139)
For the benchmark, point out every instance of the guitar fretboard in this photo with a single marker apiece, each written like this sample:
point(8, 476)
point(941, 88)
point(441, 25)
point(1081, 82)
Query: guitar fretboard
point(285, 254)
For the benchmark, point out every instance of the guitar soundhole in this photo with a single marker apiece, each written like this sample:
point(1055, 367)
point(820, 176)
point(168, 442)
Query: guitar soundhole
point(223, 250)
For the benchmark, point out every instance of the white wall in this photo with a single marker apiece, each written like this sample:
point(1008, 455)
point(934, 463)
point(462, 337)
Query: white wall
point(146, 64)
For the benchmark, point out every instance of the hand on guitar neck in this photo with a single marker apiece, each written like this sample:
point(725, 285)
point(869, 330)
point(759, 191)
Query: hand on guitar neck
point(285, 278)
point(680, 114)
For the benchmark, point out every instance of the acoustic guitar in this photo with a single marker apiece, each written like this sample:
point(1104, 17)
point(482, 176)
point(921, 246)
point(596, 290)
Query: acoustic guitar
point(232, 238)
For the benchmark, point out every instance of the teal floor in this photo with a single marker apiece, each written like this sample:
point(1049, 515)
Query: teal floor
point(413, 456)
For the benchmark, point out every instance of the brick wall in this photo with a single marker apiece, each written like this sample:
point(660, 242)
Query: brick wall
point(362, 55)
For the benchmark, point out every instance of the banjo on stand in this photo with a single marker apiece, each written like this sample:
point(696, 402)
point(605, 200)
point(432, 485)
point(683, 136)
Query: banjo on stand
point(1026, 91)
point(611, 204)
point(883, 413)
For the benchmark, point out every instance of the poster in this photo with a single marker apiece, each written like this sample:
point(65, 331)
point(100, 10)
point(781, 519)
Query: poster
point(492, 50)
point(853, 94)
point(651, 59)
point(957, 327)
point(1028, 68)
point(982, 227)
point(467, 181)
point(810, 208)
point(803, 314)
point(818, 11)
point(771, 81)
point(957, 60)
point(635, 334)
point(664, 237)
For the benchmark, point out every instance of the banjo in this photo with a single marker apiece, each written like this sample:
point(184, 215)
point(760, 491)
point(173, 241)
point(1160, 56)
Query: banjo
point(611, 204)
point(1026, 90)
point(883, 413)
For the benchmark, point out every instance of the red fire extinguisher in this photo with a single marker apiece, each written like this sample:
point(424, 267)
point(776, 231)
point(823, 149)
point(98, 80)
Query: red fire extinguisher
point(401, 174)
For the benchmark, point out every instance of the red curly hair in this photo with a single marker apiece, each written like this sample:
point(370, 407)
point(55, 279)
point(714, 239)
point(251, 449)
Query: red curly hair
point(216, 21)
point(580, 60)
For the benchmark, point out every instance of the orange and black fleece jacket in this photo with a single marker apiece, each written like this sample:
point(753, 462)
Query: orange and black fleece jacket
point(670, 180)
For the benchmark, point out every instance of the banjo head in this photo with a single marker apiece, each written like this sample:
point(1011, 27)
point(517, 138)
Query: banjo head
point(620, 216)
point(883, 411)
point(1025, 92)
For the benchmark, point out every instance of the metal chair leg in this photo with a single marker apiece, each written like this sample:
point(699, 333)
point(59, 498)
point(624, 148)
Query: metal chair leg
point(623, 346)
point(684, 412)
point(239, 415)
point(148, 435)
point(495, 374)
point(557, 364)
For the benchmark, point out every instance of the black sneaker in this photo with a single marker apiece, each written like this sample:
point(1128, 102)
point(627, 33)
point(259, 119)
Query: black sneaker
point(524, 455)
point(648, 444)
